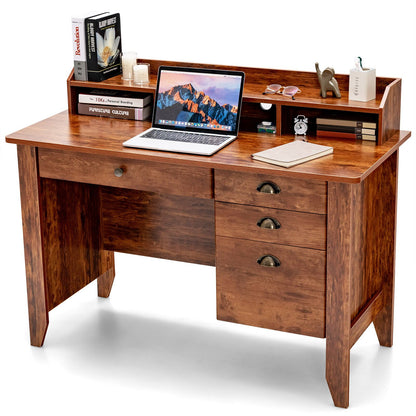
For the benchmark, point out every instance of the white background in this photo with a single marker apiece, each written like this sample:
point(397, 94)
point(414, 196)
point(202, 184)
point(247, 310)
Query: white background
point(154, 347)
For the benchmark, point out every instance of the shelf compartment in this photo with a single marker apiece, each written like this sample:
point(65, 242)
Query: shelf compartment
point(289, 114)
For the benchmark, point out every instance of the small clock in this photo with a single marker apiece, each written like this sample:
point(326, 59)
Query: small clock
point(301, 125)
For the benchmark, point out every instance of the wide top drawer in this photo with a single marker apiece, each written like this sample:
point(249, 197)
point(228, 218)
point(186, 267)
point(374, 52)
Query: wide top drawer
point(143, 175)
point(271, 191)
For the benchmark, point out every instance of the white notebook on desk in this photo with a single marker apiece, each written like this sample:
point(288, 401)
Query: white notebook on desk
point(293, 153)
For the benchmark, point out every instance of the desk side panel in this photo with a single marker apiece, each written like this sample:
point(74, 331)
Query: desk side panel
point(390, 117)
point(71, 238)
point(375, 224)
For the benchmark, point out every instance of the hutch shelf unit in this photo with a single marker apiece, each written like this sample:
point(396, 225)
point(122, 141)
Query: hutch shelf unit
point(308, 250)
point(384, 110)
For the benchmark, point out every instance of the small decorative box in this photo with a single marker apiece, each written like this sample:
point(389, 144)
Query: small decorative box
point(362, 84)
point(266, 127)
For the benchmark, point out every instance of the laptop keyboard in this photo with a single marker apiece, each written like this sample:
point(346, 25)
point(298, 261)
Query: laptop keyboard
point(178, 136)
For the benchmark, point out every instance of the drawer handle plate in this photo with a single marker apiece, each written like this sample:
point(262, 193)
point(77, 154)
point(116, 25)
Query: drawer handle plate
point(269, 223)
point(268, 188)
point(268, 261)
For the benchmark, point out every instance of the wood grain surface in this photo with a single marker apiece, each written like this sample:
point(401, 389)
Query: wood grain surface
point(37, 296)
point(388, 92)
point(288, 298)
point(158, 225)
point(382, 242)
point(72, 247)
point(341, 265)
point(351, 161)
point(295, 228)
point(389, 121)
point(142, 175)
point(294, 194)
point(255, 84)
point(374, 235)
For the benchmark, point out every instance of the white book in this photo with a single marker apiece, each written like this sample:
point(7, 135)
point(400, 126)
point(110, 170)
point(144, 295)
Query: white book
point(78, 43)
point(117, 99)
point(79, 47)
point(293, 153)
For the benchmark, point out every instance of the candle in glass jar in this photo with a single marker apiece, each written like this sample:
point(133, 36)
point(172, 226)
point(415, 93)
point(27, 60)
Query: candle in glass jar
point(141, 74)
point(128, 60)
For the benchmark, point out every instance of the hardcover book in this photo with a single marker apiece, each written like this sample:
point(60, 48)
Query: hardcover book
point(103, 46)
point(349, 123)
point(338, 135)
point(346, 129)
point(116, 98)
point(128, 113)
point(79, 43)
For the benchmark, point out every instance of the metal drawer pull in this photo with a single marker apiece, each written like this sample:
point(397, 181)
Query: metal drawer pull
point(269, 261)
point(118, 172)
point(268, 188)
point(269, 223)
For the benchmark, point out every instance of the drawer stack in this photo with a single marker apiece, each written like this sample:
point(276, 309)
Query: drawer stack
point(271, 251)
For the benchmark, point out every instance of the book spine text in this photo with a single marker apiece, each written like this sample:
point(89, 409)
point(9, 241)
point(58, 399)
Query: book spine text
point(115, 112)
point(79, 48)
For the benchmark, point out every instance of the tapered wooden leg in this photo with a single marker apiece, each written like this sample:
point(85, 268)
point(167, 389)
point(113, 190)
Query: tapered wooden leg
point(105, 281)
point(35, 279)
point(342, 204)
point(338, 371)
point(383, 322)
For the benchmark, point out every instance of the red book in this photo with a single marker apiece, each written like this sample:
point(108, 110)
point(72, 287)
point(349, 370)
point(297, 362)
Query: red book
point(337, 134)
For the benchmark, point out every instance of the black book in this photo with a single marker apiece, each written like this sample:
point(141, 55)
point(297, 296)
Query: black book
point(103, 42)
point(345, 129)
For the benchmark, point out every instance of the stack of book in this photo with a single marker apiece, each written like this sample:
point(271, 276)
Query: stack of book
point(97, 46)
point(115, 104)
point(346, 129)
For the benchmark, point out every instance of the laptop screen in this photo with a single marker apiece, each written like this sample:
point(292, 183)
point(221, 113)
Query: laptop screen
point(198, 99)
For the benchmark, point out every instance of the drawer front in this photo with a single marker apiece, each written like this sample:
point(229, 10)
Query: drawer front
point(288, 193)
point(271, 225)
point(126, 173)
point(289, 297)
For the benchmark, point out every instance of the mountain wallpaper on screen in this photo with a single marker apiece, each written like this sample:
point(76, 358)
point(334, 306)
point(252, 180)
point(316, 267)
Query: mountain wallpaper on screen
point(185, 103)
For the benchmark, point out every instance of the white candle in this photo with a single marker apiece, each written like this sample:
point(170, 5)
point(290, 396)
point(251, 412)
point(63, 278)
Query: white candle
point(128, 60)
point(141, 74)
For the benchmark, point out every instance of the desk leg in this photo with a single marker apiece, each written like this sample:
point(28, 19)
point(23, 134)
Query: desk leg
point(383, 322)
point(62, 241)
point(360, 267)
point(31, 220)
point(105, 281)
point(341, 210)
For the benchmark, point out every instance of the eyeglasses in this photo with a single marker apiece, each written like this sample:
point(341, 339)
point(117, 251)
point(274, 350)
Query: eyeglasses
point(279, 89)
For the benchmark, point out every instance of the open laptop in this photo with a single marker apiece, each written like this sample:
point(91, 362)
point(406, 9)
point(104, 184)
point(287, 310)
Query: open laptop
point(195, 111)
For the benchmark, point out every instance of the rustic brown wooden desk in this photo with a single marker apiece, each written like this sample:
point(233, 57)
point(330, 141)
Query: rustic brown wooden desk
point(326, 270)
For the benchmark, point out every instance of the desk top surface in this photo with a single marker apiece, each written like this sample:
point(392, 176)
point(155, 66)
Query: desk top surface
point(351, 162)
